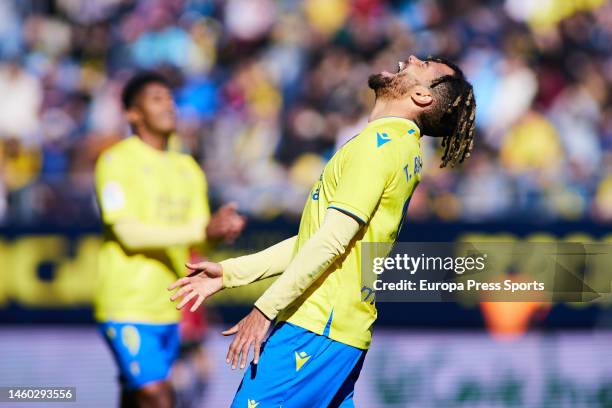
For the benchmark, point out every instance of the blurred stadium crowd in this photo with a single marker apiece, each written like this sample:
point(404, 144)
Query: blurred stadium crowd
point(268, 89)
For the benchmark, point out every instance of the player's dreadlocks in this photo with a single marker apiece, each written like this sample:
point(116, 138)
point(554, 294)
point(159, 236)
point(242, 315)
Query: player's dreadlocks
point(452, 115)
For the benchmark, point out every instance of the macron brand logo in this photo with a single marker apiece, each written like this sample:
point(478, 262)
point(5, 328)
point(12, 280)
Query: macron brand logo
point(411, 131)
point(252, 403)
point(300, 359)
point(382, 138)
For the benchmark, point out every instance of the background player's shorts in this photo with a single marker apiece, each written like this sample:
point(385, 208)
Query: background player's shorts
point(143, 352)
point(298, 368)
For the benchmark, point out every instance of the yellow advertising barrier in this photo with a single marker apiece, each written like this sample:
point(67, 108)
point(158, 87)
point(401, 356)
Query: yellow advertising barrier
point(72, 277)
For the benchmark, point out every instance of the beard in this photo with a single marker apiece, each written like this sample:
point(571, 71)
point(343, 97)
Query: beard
point(378, 81)
point(389, 87)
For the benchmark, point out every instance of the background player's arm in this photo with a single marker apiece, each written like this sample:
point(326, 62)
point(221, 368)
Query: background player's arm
point(136, 235)
point(313, 258)
point(225, 224)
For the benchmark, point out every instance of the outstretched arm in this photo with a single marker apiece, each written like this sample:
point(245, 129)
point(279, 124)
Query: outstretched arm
point(208, 278)
point(261, 265)
point(313, 258)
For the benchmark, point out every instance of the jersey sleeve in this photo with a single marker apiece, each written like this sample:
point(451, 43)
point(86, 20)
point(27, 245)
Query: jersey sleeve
point(115, 192)
point(366, 169)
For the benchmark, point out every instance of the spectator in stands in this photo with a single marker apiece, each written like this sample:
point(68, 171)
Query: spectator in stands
point(253, 76)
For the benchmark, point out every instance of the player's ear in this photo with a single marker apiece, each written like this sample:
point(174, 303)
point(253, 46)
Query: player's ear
point(132, 115)
point(421, 96)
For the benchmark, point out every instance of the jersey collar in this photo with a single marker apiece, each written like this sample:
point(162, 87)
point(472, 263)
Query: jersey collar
point(153, 151)
point(406, 124)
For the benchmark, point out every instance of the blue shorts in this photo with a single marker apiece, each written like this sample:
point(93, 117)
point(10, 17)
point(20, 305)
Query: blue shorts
point(143, 352)
point(298, 368)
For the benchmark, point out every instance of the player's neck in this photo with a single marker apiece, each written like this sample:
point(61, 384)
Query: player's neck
point(156, 141)
point(385, 108)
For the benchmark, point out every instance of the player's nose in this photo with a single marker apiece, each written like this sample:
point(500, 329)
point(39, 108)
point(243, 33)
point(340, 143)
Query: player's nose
point(414, 60)
point(170, 107)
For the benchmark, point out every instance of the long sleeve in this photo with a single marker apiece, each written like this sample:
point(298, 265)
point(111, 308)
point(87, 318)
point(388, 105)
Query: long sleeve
point(136, 235)
point(313, 258)
point(250, 268)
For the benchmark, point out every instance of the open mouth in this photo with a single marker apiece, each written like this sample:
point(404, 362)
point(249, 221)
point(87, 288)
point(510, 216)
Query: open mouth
point(400, 66)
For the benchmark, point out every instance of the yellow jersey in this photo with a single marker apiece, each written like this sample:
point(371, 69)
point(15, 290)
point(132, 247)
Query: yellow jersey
point(134, 180)
point(371, 178)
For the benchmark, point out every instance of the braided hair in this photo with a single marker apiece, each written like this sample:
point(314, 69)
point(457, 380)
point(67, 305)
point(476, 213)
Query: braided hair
point(452, 115)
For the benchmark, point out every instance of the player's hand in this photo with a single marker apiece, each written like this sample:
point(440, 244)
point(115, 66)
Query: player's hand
point(205, 280)
point(226, 223)
point(249, 331)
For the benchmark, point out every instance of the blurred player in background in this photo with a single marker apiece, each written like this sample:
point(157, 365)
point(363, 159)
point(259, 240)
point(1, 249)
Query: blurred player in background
point(155, 209)
point(314, 355)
